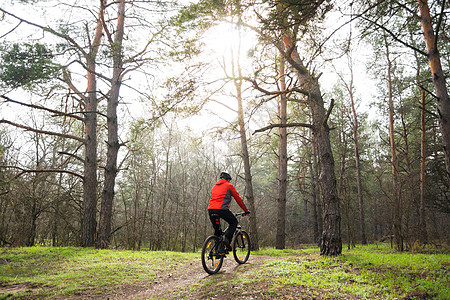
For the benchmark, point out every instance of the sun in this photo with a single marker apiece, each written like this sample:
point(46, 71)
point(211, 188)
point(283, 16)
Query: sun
point(227, 43)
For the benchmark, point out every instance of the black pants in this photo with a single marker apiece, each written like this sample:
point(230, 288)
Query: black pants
point(228, 217)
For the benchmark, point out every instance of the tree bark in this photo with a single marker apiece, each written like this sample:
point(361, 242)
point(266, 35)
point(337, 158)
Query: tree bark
point(422, 219)
point(342, 186)
point(89, 218)
point(104, 234)
point(317, 194)
point(315, 215)
point(396, 202)
point(247, 170)
point(282, 162)
point(331, 241)
point(362, 228)
point(443, 101)
point(250, 198)
point(422, 177)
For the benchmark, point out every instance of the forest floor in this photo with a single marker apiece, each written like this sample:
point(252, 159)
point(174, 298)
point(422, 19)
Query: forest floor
point(366, 273)
point(190, 281)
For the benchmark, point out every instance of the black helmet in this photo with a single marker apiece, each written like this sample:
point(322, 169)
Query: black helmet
point(225, 176)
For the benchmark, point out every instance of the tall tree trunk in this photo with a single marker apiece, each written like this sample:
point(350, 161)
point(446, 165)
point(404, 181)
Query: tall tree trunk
point(331, 241)
point(56, 212)
point(443, 101)
point(355, 127)
point(408, 195)
point(282, 162)
point(362, 228)
point(317, 196)
point(422, 181)
point(397, 220)
point(422, 218)
point(104, 234)
point(342, 184)
point(250, 198)
point(89, 217)
point(315, 215)
point(342, 188)
point(89, 222)
point(247, 171)
point(31, 238)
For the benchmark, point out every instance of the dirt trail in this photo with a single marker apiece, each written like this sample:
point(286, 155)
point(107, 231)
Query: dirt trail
point(176, 285)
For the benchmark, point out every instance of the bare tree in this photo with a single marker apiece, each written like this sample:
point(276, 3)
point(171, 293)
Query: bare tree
point(331, 242)
point(90, 102)
point(104, 230)
point(422, 219)
point(280, 242)
point(355, 126)
point(396, 201)
point(246, 159)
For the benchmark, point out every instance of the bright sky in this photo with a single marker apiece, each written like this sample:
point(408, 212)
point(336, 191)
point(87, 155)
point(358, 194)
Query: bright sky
point(220, 42)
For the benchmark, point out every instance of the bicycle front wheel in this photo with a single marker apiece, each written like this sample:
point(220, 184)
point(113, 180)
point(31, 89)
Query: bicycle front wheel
point(241, 247)
point(212, 260)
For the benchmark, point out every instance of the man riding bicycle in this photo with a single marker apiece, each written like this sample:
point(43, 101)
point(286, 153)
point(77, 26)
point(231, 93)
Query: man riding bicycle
point(219, 204)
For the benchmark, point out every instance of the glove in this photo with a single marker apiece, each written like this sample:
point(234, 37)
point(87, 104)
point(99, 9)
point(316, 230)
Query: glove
point(246, 213)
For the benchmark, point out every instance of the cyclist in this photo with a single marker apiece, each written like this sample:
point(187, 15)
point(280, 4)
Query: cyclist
point(219, 204)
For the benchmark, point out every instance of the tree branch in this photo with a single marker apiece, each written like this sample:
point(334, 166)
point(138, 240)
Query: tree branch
point(428, 112)
point(58, 113)
point(68, 81)
point(20, 22)
point(27, 128)
point(271, 126)
point(394, 36)
point(23, 171)
point(428, 92)
point(71, 155)
point(223, 104)
point(329, 111)
point(275, 93)
point(48, 29)
point(104, 24)
point(439, 25)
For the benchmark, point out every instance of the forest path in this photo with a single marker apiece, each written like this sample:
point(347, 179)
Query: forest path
point(187, 280)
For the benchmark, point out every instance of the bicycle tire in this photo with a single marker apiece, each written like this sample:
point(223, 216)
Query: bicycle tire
point(241, 247)
point(211, 259)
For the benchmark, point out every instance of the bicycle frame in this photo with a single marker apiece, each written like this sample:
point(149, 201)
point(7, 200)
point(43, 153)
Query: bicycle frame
point(212, 257)
point(238, 228)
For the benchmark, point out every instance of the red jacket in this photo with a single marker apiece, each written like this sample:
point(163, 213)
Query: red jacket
point(221, 194)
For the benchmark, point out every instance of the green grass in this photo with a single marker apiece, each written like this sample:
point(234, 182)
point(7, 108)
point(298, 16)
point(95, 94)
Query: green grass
point(366, 272)
point(286, 252)
point(369, 272)
point(405, 272)
point(76, 269)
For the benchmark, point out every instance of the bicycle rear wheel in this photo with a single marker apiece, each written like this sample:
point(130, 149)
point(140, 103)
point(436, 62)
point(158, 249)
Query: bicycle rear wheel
point(211, 259)
point(241, 247)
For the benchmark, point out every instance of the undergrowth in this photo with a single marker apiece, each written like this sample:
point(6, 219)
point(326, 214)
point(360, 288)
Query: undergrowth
point(364, 272)
point(70, 270)
point(368, 272)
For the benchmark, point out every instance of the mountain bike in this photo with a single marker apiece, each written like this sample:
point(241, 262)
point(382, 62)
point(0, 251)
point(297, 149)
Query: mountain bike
point(214, 249)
